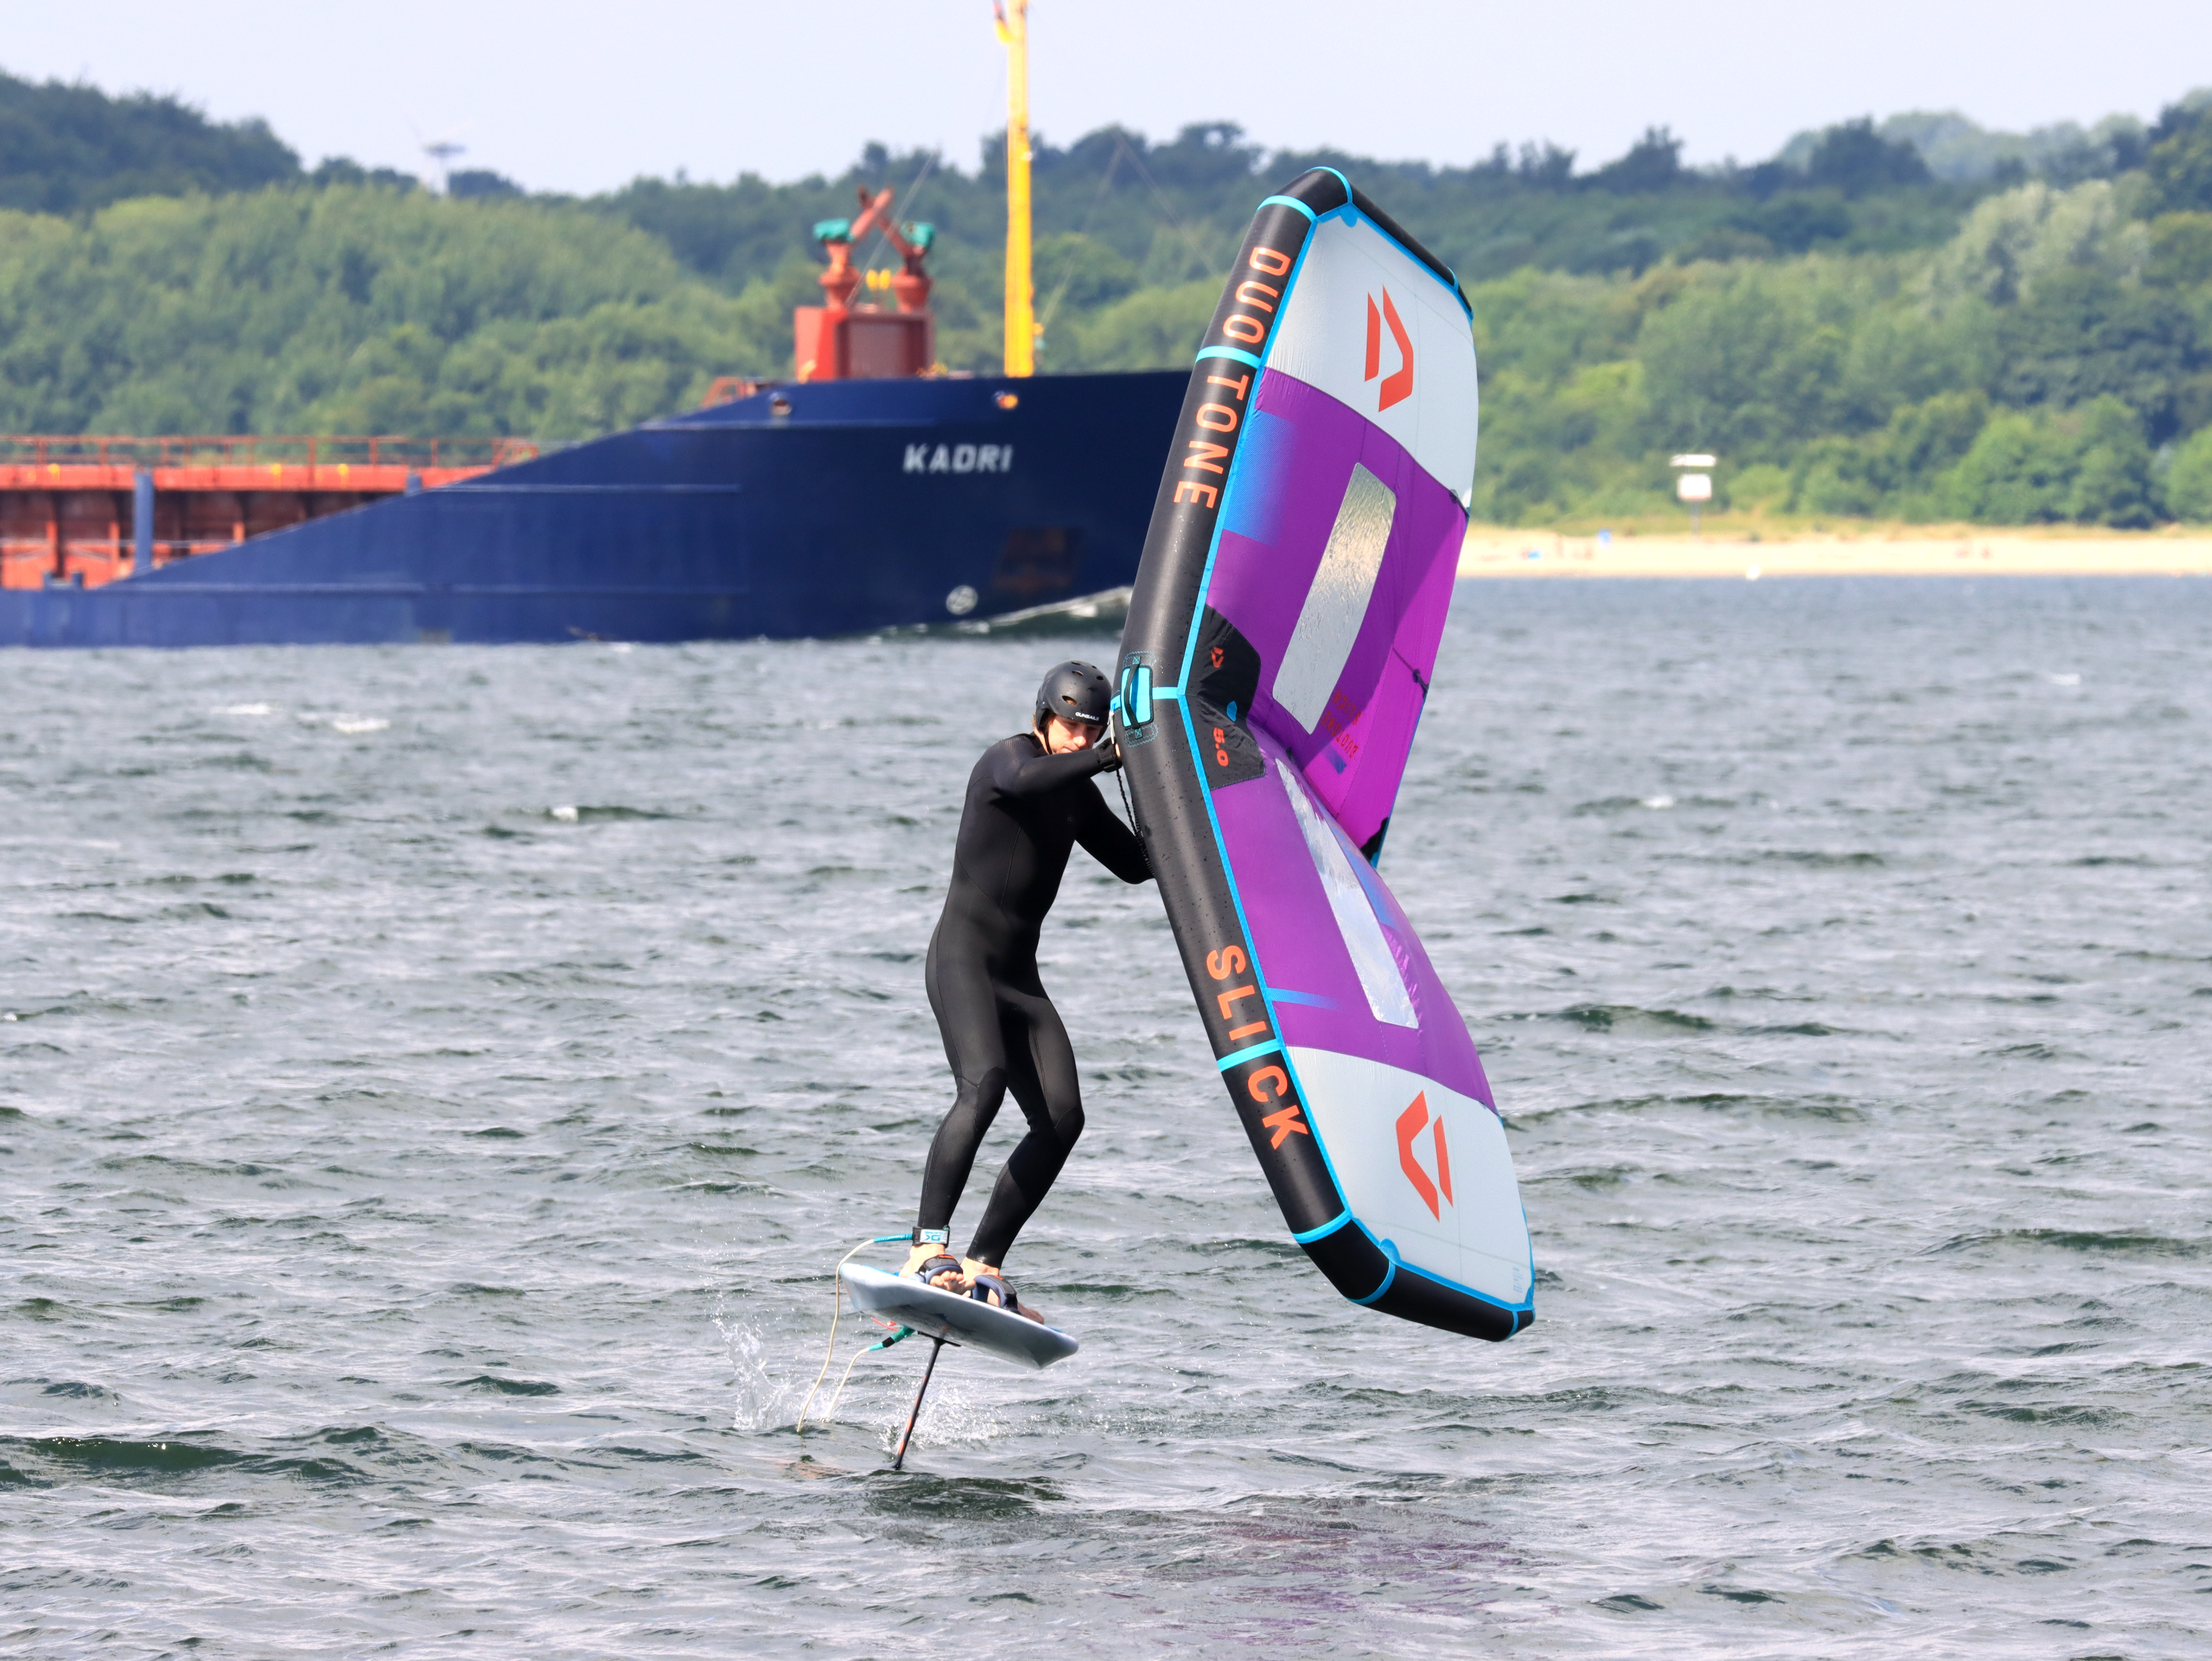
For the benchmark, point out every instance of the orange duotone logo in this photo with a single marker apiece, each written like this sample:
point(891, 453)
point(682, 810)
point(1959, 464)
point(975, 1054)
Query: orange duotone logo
point(1399, 385)
point(1411, 1124)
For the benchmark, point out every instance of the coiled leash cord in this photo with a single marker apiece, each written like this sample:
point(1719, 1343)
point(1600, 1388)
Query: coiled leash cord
point(830, 1412)
point(837, 1309)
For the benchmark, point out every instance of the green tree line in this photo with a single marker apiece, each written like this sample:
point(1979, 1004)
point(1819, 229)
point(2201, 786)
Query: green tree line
point(1917, 320)
point(2052, 361)
point(360, 309)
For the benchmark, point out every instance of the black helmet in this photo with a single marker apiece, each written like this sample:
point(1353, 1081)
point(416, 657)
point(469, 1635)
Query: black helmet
point(1075, 693)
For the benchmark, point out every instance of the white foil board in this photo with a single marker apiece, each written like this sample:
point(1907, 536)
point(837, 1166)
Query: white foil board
point(956, 1319)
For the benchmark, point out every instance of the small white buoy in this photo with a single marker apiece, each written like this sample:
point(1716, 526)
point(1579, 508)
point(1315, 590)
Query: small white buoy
point(1751, 574)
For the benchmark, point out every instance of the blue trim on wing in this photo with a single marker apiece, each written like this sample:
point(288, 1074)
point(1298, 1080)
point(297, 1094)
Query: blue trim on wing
point(1325, 1230)
point(1389, 1249)
point(1389, 1256)
point(1351, 214)
point(1220, 524)
point(1237, 895)
point(1389, 1276)
point(1190, 734)
point(1237, 1057)
point(1491, 1299)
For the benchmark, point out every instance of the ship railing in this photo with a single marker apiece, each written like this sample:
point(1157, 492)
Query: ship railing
point(119, 547)
point(258, 450)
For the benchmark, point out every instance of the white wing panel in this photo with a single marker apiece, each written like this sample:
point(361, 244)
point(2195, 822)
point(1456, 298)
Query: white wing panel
point(1323, 339)
point(1424, 1169)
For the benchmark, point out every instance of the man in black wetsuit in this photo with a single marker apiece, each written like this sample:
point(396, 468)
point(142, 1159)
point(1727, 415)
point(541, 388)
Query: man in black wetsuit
point(1031, 799)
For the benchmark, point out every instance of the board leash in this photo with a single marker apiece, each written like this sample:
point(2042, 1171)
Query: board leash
point(837, 1309)
point(830, 1412)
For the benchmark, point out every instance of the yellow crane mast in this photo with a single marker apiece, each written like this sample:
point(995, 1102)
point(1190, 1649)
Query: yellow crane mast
point(1013, 22)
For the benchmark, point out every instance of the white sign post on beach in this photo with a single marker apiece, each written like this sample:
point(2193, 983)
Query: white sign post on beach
point(1696, 488)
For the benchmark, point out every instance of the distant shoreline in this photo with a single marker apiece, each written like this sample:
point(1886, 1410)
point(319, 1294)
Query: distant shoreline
point(1956, 551)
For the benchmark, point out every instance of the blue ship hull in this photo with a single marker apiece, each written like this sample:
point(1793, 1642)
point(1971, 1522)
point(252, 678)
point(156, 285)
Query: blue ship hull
point(819, 509)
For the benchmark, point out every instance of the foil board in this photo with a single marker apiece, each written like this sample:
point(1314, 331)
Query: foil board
point(958, 1320)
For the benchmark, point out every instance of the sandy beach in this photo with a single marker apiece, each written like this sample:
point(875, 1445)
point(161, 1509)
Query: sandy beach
point(1957, 550)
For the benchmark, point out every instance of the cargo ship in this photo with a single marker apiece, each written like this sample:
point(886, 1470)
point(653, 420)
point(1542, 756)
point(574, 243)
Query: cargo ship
point(870, 490)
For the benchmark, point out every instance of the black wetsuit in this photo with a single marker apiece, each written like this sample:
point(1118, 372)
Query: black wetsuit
point(1024, 810)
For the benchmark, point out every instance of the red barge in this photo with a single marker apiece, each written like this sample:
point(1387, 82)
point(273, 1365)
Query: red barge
point(71, 508)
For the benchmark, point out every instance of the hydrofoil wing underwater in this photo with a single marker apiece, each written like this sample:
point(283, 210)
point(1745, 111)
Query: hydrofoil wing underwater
point(1280, 640)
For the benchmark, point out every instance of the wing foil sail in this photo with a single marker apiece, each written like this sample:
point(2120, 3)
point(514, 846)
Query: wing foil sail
point(1337, 862)
point(1329, 624)
point(1282, 634)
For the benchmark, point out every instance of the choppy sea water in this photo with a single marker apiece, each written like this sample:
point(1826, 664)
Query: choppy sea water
point(436, 1083)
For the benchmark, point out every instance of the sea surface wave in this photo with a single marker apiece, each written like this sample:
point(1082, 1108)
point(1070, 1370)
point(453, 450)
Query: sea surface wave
point(436, 1085)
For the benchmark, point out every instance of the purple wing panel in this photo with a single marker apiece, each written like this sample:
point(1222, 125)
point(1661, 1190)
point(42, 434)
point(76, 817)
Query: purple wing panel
point(1315, 921)
point(1285, 502)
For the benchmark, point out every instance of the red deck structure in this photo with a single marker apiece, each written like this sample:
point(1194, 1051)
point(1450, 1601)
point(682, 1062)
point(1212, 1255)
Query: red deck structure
point(67, 505)
point(839, 340)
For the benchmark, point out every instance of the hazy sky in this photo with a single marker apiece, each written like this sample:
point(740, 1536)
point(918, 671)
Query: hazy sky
point(574, 97)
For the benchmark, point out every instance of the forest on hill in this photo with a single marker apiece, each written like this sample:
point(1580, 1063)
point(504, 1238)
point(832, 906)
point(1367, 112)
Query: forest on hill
point(1919, 319)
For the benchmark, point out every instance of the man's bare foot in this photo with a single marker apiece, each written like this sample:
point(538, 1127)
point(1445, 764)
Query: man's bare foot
point(972, 1266)
point(944, 1278)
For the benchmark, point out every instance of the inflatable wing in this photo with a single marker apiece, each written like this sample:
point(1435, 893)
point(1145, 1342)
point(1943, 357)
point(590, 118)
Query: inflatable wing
point(1281, 639)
